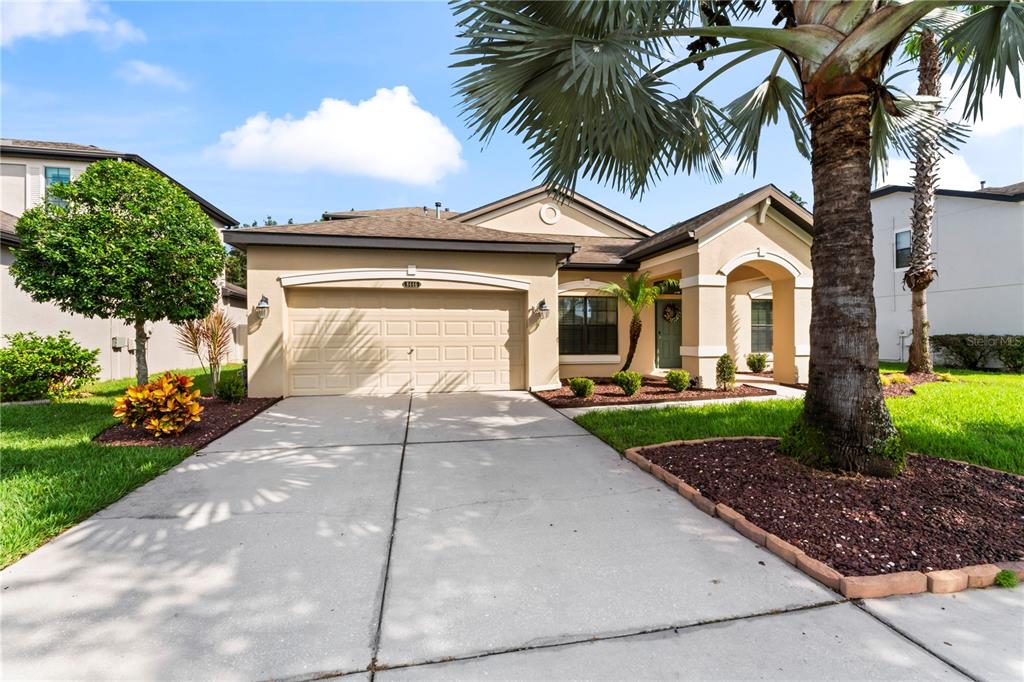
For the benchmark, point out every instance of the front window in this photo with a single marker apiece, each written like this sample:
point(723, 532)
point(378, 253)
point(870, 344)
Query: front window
point(903, 249)
point(56, 176)
point(760, 326)
point(588, 325)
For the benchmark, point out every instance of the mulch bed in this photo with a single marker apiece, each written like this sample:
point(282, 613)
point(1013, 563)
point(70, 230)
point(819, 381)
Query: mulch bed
point(939, 514)
point(652, 391)
point(218, 417)
point(904, 390)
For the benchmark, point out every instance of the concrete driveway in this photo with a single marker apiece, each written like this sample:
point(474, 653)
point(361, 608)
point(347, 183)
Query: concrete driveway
point(446, 536)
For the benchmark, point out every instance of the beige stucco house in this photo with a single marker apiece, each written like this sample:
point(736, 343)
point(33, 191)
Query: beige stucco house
point(28, 168)
point(508, 295)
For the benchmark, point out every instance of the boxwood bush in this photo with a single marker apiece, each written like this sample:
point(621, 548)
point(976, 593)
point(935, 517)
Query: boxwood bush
point(629, 382)
point(34, 366)
point(756, 362)
point(581, 387)
point(678, 379)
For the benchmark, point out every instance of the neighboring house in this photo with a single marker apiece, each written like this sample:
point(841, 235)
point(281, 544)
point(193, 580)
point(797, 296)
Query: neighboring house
point(29, 167)
point(979, 246)
point(508, 295)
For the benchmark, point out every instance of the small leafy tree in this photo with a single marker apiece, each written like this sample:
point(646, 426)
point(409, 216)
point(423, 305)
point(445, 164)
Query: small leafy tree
point(120, 241)
point(235, 267)
point(639, 293)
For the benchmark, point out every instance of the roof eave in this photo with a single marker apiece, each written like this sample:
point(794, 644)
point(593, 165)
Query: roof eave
point(242, 239)
point(959, 193)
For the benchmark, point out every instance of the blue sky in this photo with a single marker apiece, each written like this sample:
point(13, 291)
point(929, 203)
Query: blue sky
point(168, 80)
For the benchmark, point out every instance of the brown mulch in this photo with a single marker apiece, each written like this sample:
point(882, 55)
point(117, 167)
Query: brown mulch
point(904, 390)
point(653, 390)
point(938, 514)
point(218, 417)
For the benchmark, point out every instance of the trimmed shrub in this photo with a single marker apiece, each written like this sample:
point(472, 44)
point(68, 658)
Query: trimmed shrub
point(946, 376)
point(896, 378)
point(756, 362)
point(581, 387)
point(33, 366)
point(970, 351)
point(1006, 578)
point(231, 388)
point(678, 379)
point(164, 406)
point(629, 382)
point(725, 373)
point(1010, 351)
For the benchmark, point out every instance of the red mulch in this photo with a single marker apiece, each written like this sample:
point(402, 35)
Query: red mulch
point(904, 390)
point(218, 417)
point(653, 390)
point(938, 514)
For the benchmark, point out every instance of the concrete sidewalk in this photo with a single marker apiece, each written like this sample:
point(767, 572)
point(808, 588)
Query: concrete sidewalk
point(451, 536)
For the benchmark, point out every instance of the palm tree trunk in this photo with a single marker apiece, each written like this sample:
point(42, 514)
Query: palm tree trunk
point(141, 368)
point(635, 327)
point(845, 424)
point(922, 271)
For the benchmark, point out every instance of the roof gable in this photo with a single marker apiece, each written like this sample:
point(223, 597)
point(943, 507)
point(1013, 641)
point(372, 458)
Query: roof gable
point(614, 224)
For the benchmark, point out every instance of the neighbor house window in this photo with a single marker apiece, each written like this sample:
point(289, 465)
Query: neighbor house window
point(56, 176)
point(760, 326)
point(903, 249)
point(588, 325)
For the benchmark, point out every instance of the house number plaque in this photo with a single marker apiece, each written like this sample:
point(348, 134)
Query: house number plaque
point(411, 284)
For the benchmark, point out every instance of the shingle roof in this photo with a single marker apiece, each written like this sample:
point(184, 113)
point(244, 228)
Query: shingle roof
point(1016, 189)
point(86, 151)
point(1014, 192)
point(601, 251)
point(44, 145)
point(7, 231)
point(421, 211)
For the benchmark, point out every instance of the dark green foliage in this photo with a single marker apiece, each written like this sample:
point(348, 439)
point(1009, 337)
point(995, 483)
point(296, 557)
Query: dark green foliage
point(678, 379)
point(33, 366)
point(629, 382)
point(969, 351)
point(725, 373)
point(581, 387)
point(1006, 579)
point(235, 267)
point(805, 443)
point(756, 362)
point(124, 242)
point(231, 387)
point(1010, 351)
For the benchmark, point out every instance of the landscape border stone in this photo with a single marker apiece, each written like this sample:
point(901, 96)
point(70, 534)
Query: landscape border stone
point(852, 587)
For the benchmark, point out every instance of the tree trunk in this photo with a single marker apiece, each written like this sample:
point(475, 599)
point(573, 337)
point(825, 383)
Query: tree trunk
point(922, 271)
point(635, 327)
point(141, 368)
point(845, 424)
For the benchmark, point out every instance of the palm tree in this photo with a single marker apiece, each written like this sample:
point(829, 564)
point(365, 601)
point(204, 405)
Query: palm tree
point(921, 270)
point(586, 85)
point(639, 293)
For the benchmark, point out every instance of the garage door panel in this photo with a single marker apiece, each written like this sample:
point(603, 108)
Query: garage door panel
point(364, 342)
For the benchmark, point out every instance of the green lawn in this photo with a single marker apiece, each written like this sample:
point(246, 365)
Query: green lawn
point(978, 419)
point(52, 475)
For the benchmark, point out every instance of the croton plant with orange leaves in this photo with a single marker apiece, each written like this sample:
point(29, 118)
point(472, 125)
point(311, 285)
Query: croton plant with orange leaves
point(163, 407)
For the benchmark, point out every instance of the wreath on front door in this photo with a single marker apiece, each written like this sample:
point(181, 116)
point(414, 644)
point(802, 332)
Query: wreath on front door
point(670, 313)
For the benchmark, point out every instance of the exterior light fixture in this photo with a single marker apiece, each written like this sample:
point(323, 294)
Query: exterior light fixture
point(543, 308)
point(263, 308)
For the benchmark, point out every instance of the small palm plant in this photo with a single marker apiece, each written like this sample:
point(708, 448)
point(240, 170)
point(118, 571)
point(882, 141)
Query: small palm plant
point(210, 339)
point(639, 293)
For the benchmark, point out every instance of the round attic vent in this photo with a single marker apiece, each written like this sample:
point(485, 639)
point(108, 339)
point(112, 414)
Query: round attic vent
point(550, 213)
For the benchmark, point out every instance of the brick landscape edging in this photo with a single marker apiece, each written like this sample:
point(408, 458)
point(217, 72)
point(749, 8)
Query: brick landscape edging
point(853, 587)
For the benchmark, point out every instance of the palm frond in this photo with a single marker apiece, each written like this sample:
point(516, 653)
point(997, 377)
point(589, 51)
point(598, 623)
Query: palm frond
point(899, 121)
point(751, 112)
point(986, 46)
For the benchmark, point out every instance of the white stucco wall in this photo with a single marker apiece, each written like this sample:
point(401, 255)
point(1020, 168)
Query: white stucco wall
point(979, 247)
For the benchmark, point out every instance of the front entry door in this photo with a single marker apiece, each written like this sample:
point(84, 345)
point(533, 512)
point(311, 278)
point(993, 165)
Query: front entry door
point(668, 326)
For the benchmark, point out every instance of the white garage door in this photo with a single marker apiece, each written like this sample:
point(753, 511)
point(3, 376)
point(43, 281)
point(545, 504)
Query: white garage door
point(387, 341)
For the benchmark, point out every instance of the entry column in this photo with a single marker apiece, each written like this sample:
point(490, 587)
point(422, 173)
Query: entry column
point(704, 330)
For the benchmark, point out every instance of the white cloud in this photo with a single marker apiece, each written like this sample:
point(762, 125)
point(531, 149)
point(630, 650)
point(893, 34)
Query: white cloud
point(59, 18)
point(138, 72)
point(999, 114)
point(387, 136)
point(954, 173)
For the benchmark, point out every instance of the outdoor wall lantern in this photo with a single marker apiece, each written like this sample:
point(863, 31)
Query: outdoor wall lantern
point(263, 308)
point(543, 308)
